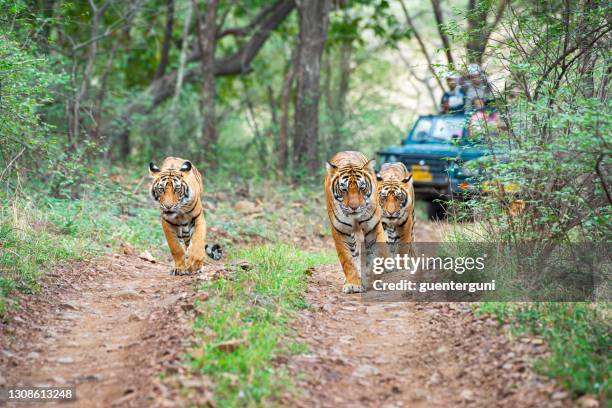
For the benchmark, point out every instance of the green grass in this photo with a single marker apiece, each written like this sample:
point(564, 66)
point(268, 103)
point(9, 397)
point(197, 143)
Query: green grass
point(578, 336)
point(39, 232)
point(254, 305)
point(34, 237)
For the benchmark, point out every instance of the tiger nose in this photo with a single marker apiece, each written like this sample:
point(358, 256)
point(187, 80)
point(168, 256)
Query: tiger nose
point(354, 205)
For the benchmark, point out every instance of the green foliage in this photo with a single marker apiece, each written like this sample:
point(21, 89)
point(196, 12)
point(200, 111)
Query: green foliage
point(39, 233)
point(23, 89)
point(253, 306)
point(578, 336)
point(554, 148)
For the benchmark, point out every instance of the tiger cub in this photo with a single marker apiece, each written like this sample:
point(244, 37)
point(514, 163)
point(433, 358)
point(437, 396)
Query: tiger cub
point(352, 206)
point(177, 187)
point(396, 199)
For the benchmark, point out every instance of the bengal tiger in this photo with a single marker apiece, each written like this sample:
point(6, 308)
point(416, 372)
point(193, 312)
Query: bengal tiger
point(352, 206)
point(177, 187)
point(396, 199)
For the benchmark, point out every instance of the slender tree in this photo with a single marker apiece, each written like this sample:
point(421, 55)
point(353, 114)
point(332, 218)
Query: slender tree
point(207, 33)
point(313, 19)
point(283, 134)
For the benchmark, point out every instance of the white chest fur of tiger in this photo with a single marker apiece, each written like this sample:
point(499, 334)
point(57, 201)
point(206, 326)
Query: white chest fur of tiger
point(352, 206)
point(396, 200)
point(177, 188)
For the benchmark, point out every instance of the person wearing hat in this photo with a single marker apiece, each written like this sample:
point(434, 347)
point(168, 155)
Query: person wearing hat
point(477, 87)
point(453, 100)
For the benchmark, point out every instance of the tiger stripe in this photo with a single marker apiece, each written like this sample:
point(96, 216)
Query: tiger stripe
point(352, 206)
point(396, 200)
point(177, 187)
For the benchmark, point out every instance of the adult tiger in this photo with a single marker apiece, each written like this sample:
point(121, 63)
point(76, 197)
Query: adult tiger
point(396, 199)
point(352, 206)
point(177, 187)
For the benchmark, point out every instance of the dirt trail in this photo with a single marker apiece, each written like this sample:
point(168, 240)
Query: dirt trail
point(410, 354)
point(111, 328)
point(108, 329)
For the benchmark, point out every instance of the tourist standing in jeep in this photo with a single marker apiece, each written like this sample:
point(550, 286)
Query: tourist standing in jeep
point(477, 86)
point(453, 100)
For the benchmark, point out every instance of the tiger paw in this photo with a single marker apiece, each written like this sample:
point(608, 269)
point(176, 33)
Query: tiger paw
point(352, 288)
point(178, 271)
point(194, 265)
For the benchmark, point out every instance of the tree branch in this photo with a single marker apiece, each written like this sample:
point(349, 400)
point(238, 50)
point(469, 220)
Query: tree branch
point(421, 43)
point(241, 31)
point(235, 64)
point(439, 24)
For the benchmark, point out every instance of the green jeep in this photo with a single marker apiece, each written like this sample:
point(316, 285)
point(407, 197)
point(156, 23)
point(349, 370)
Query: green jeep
point(434, 152)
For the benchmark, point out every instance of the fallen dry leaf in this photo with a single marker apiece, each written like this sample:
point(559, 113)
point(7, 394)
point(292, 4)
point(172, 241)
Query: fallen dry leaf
point(246, 207)
point(587, 401)
point(202, 297)
point(127, 249)
point(146, 255)
point(244, 265)
point(231, 345)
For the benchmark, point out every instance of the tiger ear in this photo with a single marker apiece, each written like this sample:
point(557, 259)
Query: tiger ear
point(407, 180)
point(330, 167)
point(153, 168)
point(379, 177)
point(186, 166)
point(370, 165)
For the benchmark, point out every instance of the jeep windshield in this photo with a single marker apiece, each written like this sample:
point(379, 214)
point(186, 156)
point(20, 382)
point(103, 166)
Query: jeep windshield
point(437, 129)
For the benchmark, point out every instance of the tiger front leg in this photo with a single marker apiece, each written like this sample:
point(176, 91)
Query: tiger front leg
point(348, 253)
point(375, 246)
point(176, 249)
point(197, 251)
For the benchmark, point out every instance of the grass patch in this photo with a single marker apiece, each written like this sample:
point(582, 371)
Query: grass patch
point(39, 232)
point(35, 236)
point(253, 306)
point(578, 335)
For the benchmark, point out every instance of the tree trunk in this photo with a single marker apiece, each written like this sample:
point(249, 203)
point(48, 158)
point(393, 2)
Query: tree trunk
point(96, 131)
point(477, 20)
point(207, 33)
point(313, 20)
point(339, 109)
point(283, 133)
point(479, 30)
point(163, 61)
point(180, 72)
point(81, 93)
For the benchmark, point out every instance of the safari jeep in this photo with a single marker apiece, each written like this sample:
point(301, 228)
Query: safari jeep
point(434, 151)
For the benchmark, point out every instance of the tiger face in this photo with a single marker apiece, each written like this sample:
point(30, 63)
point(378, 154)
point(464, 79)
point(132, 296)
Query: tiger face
point(352, 188)
point(171, 189)
point(394, 190)
point(351, 200)
point(393, 199)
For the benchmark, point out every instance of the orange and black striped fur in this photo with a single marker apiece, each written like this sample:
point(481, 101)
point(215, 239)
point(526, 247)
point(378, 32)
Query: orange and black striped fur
point(396, 199)
point(352, 207)
point(177, 187)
